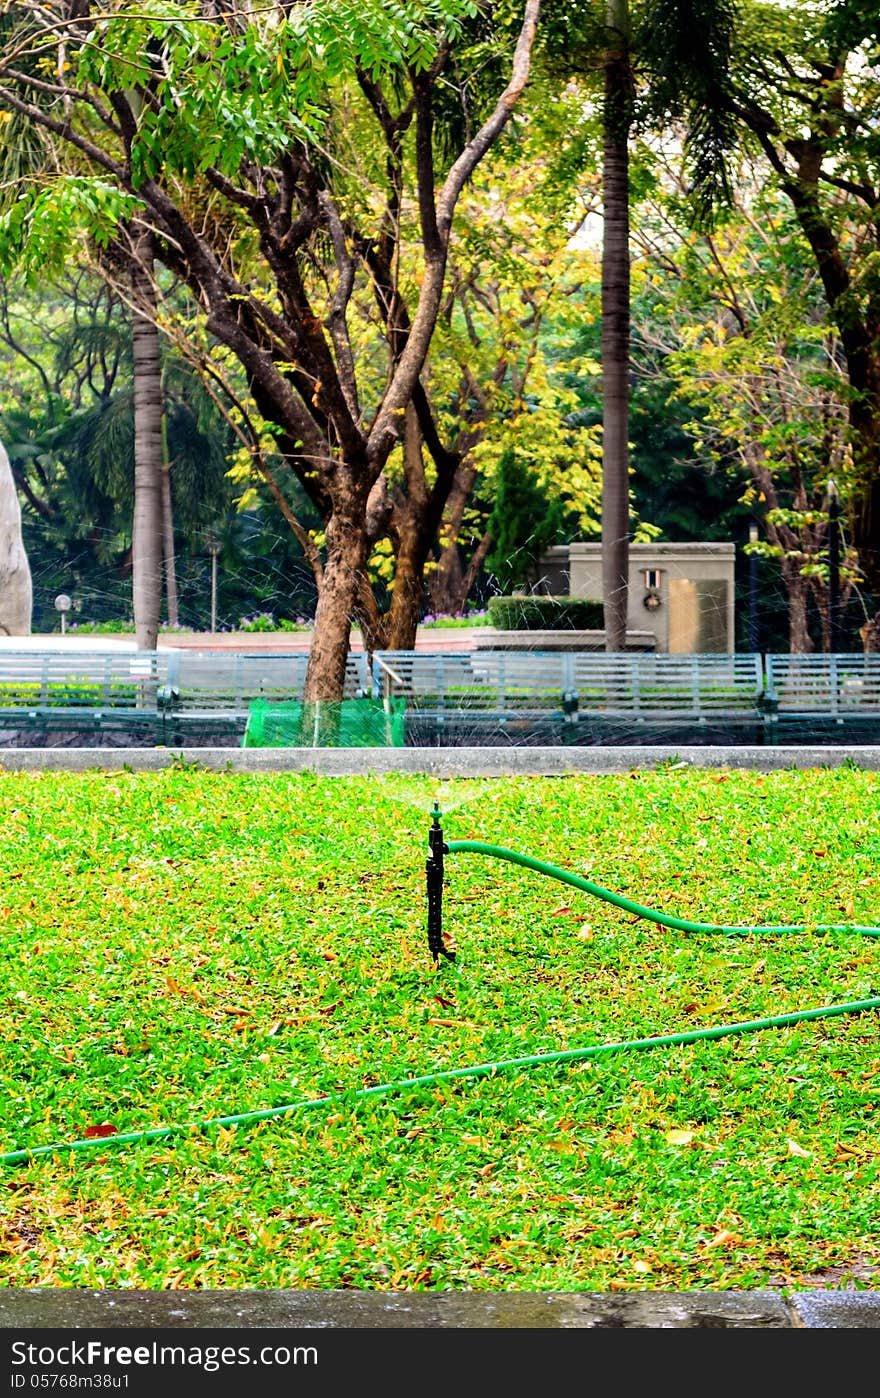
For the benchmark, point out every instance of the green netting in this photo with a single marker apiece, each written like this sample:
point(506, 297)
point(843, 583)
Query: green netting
point(353, 723)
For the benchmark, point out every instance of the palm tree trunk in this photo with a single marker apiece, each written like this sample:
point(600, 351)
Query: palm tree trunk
point(615, 326)
point(146, 538)
point(168, 527)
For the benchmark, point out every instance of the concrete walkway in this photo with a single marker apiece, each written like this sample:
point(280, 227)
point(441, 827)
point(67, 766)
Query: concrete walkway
point(49, 1308)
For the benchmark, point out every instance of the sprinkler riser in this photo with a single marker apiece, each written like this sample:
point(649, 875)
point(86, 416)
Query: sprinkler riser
point(434, 889)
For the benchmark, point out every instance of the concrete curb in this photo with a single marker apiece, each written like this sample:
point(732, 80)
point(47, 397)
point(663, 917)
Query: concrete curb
point(55, 1308)
point(437, 762)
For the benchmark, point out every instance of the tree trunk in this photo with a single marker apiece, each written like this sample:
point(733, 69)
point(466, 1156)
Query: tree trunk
point(406, 599)
point(337, 599)
point(146, 536)
point(446, 582)
point(799, 640)
point(616, 326)
point(168, 528)
point(864, 419)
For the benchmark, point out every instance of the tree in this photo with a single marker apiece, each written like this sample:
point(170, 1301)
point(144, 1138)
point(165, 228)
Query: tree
point(523, 523)
point(807, 93)
point(662, 63)
point(741, 325)
point(616, 124)
point(147, 523)
point(501, 356)
point(225, 136)
point(67, 411)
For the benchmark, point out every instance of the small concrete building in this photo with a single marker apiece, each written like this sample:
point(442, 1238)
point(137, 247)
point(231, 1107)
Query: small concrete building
point(682, 593)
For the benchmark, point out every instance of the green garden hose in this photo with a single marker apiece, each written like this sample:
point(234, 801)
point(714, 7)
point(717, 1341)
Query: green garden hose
point(478, 1070)
point(665, 919)
point(481, 1070)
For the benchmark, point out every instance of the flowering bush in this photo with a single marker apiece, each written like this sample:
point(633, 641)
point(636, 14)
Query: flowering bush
point(264, 621)
point(476, 618)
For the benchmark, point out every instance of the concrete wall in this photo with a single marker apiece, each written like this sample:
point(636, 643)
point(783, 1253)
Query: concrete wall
point(695, 590)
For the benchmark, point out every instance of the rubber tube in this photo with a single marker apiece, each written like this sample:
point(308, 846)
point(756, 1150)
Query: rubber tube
point(680, 924)
point(478, 1070)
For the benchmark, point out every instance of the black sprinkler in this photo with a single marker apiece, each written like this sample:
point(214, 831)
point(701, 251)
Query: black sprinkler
point(434, 882)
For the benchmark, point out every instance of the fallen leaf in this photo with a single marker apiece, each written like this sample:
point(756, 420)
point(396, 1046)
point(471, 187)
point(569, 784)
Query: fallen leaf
point(101, 1128)
point(845, 1150)
point(795, 1149)
point(562, 1146)
point(642, 1267)
point(586, 933)
point(722, 1239)
point(677, 1137)
point(474, 1140)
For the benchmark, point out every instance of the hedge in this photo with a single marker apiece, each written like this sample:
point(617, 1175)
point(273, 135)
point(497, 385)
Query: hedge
point(544, 613)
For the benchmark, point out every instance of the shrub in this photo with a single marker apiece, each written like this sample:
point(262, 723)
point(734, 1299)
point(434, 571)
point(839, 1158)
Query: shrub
point(544, 613)
point(264, 621)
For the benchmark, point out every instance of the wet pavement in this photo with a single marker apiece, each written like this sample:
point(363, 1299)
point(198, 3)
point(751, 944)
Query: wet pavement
point(72, 1308)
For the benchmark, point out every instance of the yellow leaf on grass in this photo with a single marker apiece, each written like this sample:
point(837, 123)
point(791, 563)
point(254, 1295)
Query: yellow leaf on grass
point(722, 1239)
point(473, 1140)
point(642, 1267)
point(677, 1137)
point(795, 1149)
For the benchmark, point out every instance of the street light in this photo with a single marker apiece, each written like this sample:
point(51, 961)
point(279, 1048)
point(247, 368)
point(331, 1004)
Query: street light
point(63, 605)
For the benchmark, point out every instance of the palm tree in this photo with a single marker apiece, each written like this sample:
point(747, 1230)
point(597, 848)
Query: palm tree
point(616, 123)
point(149, 457)
point(663, 62)
point(23, 152)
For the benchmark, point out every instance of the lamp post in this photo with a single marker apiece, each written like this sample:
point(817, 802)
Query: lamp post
point(63, 605)
point(833, 567)
point(754, 630)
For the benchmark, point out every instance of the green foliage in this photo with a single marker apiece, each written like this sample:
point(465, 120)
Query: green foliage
point(523, 523)
point(687, 47)
point(38, 232)
point(538, 613)
point(188, 944)
point(233, 93)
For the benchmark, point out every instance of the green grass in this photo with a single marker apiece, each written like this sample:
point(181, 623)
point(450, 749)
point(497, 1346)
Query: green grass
point(183, 945)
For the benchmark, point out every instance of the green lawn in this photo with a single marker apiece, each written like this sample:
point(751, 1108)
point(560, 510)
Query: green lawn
point(186, 945)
